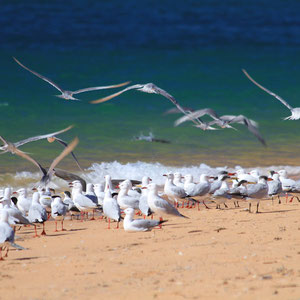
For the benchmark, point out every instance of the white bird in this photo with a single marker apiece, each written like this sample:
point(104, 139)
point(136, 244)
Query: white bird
point(82, 202)
point(250, 177)
point(275, 186)
point(257, 191)
point(159, 205)
point(149, 88)
point(124, 199)
point(286, 182)
point(130, 224)
point(15, 215)
point(111, 208)
point(216, 184)
point(24, 202)
point(68, 95)
point(72, 209)
point(295, 111)
point(7, 234)
point(221, 195)
point(99, 191)
point(143, 202)
point(37, 213)
point(173, 192)
point(58, 212)
point(197, 190)
point(178, 180)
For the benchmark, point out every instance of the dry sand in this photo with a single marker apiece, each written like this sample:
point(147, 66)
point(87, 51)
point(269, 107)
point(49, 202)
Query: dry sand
point(216, 254)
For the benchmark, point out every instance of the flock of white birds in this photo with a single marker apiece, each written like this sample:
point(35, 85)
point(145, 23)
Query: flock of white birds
point(36, 207)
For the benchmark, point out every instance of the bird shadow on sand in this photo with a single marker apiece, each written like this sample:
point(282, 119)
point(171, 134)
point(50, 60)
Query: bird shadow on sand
point(77, 229)
point(276, 211)
point(27, 258)
point(56, 234)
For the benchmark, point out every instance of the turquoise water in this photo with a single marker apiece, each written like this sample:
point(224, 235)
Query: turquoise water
point(194, 51)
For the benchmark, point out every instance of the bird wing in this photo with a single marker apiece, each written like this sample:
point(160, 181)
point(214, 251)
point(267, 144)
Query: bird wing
point(100, 88)
point(136, 86)
point(40, 76)
point(237, 119)
point(72, 153)
point(69, 177)
point(26, 156)
point(197, 114)
point(146, 224)
point(268, 91)
point(39, 137)
point(66, 151)
point(254, 130)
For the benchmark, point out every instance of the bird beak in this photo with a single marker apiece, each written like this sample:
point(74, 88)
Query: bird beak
point(150, 179)
point(252, 182)
point(139, 186)
point(231, 174)
point(144, 188)
point(234, 178)
point(270, 179)
point(165, 175)
point(34, 189)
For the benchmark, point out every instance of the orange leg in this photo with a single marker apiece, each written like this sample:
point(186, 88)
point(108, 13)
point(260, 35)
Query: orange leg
point(1, 258)
point(55, 227)
point(108, 223)
point(36, 235)
point(43, 232)
point(62, 226)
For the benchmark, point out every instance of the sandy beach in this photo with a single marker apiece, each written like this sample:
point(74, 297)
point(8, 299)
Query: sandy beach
point(215, 254)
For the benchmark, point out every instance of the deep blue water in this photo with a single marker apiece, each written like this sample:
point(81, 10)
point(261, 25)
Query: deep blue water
point(193, 49)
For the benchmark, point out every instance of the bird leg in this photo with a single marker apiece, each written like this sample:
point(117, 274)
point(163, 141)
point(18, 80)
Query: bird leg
point(108, 227)
point(55, 226)
point(250, 207)
point(117, 225)
point(257, 207)
point(43, 232)
point(1, 258)
point(6, 254)
point(36, 235)
point(205, 205)
point(49, 215)
point(93, 217)
point(291, 200)
point(272, 200)
point(183, 202)
point(82, 215)
point(62, 226)
point(152, 217)
point(279, 201)
point(160, 219)
point(286, 197)
point(225, 205)
point(198, 206)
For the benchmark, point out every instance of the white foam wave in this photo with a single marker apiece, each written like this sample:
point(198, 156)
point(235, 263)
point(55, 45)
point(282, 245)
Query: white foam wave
point(135, 171)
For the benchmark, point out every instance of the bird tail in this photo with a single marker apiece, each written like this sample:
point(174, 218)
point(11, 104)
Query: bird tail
point(183, 216)
point(162, 221)
point(17, 246)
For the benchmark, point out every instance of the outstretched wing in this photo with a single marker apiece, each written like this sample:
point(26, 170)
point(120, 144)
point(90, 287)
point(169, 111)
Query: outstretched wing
point(66, 151)
point(197, 114)
point(39, 137)
point(100, 88)
point(72, 153)
point(40, 76)
point(136, 86)
point(268, 91)
point(26, 156)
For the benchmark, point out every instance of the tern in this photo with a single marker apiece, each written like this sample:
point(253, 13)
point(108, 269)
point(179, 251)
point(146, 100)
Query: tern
point(68, 95)
point(295, 111)
point(13, 147)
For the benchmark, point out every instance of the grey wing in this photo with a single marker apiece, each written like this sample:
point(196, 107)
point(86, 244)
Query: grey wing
point(26, 156)
point(37, 214)
point(72, 153)
point(39, 137)
point(40, 76)
point(70, 177)
point(136, 86)
point(268, 91)
point(100, 88)
point(175, 110)
point(146, 224)
point(254, 130)
point(167, 207)
point(238, 119)
point(66, 151)
point(197, 114)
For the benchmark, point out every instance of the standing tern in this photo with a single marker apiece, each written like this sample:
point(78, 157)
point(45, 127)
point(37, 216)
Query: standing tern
point(295, 111)
point(68, 95)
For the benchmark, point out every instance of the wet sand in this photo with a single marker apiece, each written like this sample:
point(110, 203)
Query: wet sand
point(215, 254)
